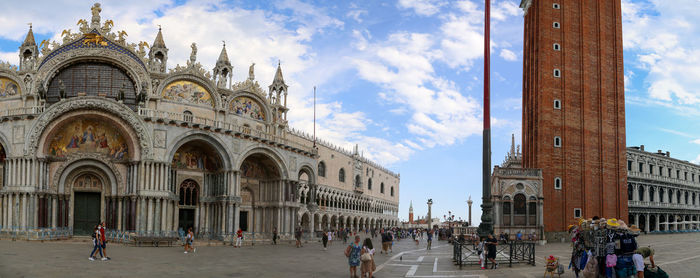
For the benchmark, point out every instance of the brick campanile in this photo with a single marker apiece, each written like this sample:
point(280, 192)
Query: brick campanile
point(574, 108)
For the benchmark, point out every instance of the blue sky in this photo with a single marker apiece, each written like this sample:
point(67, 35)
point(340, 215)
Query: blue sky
point(403, 78)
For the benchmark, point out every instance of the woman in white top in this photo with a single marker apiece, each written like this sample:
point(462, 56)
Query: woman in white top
point(330, 237)
point(367, 265)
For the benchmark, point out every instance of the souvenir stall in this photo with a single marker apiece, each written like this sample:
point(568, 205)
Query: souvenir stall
point(603, 248)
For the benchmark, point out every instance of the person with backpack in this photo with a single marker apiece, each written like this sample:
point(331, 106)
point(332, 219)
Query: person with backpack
point(189, 241)
point(97, 245)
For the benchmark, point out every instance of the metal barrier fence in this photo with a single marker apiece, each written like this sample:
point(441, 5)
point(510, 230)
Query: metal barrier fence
point(514, 252)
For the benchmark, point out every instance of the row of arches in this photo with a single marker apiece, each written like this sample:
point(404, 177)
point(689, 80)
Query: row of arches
point(316, 222)
point(662, 194)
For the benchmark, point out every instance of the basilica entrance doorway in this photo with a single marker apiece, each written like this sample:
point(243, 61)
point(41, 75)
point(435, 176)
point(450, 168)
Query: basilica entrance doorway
point(244, 221)
point(87, 212)
point(189, 197)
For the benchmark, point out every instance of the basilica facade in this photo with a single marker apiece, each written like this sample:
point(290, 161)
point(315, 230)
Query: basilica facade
point(96, 128)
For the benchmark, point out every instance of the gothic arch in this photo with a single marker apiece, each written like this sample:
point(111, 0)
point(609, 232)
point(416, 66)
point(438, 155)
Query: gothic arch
point(270, 153)
point(207, 84)
point(261, 100)
point(36, 134)
point(194, 135)
point(23, 90)
point(309, 170)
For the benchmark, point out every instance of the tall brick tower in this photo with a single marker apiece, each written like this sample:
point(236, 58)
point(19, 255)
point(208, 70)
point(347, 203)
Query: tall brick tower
point(574, 108)
point(410, 213)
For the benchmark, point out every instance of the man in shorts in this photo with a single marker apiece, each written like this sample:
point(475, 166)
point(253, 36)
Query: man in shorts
point(491, 243)
point(638, 258)
point(297, 236)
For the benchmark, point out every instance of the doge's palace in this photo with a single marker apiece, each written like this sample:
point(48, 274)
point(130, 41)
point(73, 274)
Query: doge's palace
point(97, 128)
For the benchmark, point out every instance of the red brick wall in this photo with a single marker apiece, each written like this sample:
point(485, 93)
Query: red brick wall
point(591, 122)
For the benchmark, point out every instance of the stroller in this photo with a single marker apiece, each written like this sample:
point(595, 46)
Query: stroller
point(553, 266)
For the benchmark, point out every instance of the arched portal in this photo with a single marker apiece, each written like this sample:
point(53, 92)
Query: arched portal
point(87, 185)
point(189, 199)
point(261, 175)
point(305, 223)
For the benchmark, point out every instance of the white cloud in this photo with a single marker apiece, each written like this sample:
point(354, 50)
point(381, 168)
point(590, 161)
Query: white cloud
point(422, 7)
point(508, 55)
point(356, 15)
point(661, 39)
point(696, 141)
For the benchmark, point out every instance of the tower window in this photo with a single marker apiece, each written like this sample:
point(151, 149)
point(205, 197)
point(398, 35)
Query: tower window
point(577, 213)
point(555, 25)
point(557, 104)
point(629, 167)
point(557, 141)
point(557, 47)
point(556, 6)
point(557, 183)
point(557, 73)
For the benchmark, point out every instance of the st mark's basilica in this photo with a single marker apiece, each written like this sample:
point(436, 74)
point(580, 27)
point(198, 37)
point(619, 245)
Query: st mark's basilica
point(96, 128)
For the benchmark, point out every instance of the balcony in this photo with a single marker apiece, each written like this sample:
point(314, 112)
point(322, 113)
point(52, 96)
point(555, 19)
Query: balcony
point(189, 120)
point(18, 113)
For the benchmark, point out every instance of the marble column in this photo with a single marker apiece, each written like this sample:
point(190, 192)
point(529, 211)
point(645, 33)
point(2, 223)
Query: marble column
point(635, 192)
point(636, 220)
point(149, 218)
point(646, 222)
point(656, 225)
point(237, 217)
point(119, 213)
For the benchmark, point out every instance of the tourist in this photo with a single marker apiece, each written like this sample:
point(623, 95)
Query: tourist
point(189, 241)
point(274, 236)
point(324, 238)
point(353, 253)
point(297, 236)
point(430, 239)
point(97, 245)
point(385, 243)
point(367, 260)
point(491, 243)
point(104, 240)
point(519, 236)
point(638, 258)
point(239, 238)
point(480, 252)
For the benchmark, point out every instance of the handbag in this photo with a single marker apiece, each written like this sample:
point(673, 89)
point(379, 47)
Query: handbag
point(366, 257)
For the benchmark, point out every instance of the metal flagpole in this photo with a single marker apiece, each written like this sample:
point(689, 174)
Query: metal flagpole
point(486, 225)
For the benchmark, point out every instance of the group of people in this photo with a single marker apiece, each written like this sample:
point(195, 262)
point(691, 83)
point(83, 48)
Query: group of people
point(99, 242)
point(361, 255)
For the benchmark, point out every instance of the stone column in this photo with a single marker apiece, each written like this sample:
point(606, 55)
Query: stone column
point(656, 226)
point(119, 213)
point(635, 192)
point(23, 212)
point(636, 220)
point(237, 217)
point(149, 221)
point(311, 224)
point(54, 206)
point(646, 222)
point(164, 215)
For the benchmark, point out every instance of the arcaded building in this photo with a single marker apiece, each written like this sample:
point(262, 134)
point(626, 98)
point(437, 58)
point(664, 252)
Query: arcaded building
point(95, 127)
point(574, 108)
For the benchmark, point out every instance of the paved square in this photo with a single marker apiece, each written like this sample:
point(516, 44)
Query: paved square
point(678, 254)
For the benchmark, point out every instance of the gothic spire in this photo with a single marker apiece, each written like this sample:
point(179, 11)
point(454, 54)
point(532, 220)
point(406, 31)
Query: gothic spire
point(411, 206)
point(159, 40)
point(223, 57)
point(29, 40)
point(278, 75)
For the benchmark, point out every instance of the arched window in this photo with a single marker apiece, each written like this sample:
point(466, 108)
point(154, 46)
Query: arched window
point(381, 188)
point(651, 194)
point(358, 181)
point(519, 204)
point(507, 205)
point(641, 193)
point(392, 191)
point(661, 195)
point(321, 169)
point(187, 116)
point(630, 192)
point(189, 193)
point(686, 197)
point(678, 196)
point(369, 184)
point(341, 175)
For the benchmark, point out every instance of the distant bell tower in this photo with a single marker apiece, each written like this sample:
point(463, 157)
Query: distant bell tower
point(574, 108)
point(410, 213)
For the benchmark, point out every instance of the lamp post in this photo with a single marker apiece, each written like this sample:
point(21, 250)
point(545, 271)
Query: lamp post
point(430, 217)
point(469, 202)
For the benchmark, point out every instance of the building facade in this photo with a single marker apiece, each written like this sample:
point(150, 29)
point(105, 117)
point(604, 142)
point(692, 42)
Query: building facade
point(573, 108)
point(663, 192)
point(95, 128)
point(516, 193)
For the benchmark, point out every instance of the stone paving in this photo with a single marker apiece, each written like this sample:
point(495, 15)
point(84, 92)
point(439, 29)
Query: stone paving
point(678, 254)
